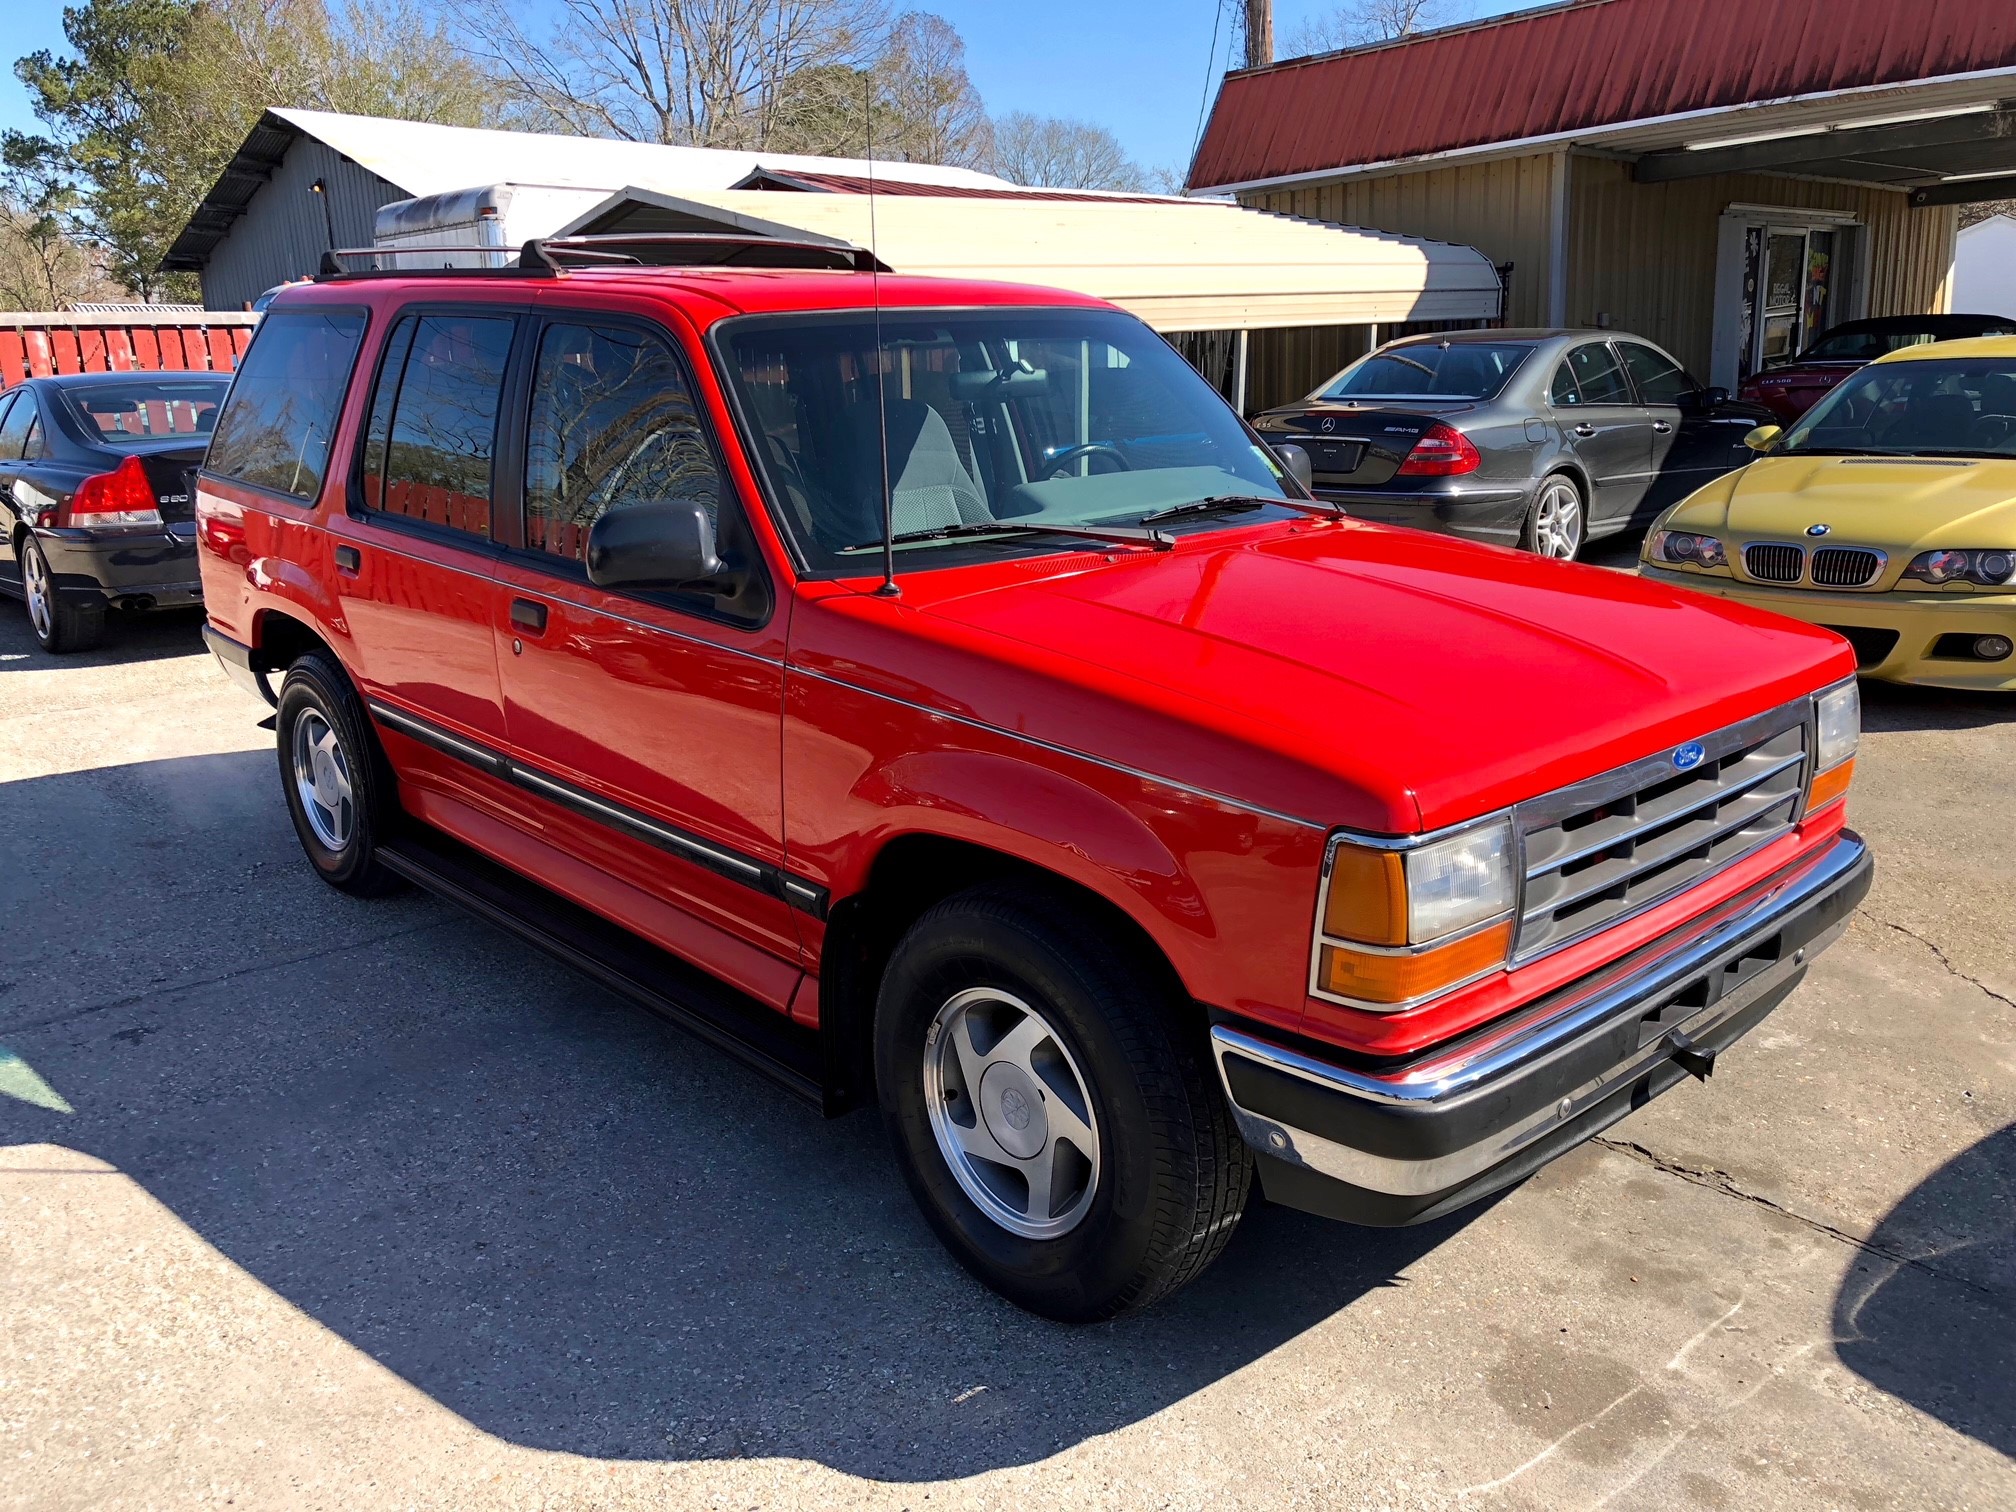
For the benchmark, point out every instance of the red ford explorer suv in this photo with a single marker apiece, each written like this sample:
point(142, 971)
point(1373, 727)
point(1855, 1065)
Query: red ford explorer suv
point(932, 694)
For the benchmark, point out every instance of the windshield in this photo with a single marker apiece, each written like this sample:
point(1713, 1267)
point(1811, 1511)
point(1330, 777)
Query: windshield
point(1868, 345)
point(1026, 418)
point(147, 409)
point(1429, 370)
point(1925, 407)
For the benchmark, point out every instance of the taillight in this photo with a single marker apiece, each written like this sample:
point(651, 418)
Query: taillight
point(1441, 452)
point(122, 496)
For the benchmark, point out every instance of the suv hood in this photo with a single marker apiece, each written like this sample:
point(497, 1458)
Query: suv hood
point(1351, 674)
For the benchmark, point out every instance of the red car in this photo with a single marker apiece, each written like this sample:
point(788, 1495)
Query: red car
point(1791, 388)
point(932, 694)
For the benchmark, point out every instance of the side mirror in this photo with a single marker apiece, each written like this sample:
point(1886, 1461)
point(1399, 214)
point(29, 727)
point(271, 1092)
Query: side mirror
point(660, 545)
point(1296, 460)
point(1714, 398)
point(1764, 437)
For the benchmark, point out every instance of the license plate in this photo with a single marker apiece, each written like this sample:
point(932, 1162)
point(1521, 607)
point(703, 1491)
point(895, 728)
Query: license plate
point(1337, 456)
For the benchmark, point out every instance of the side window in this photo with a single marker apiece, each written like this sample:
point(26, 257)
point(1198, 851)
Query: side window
point(432, 431)
point(1659, 380)
point(613, 424)
point(1564, 393)
point(280, 418)
point(17, 413)
point(1598, 379)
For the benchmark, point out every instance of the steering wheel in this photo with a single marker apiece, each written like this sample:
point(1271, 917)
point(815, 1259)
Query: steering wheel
point(1052, 466)
point(1991, 430)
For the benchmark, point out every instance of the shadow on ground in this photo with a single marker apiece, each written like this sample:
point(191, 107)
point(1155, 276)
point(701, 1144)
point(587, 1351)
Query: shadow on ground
point(563, 1221)
point(1897, 706)
point(128, 638)
point(1936, 1327)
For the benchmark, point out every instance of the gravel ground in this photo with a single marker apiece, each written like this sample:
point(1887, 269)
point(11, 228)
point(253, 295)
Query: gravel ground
point(310, 1202)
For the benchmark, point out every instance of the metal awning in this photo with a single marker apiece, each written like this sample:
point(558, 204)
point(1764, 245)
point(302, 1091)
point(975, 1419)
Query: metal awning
point(1181, 265)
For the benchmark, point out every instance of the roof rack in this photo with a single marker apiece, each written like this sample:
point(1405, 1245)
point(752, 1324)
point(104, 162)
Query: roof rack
point(548, 257)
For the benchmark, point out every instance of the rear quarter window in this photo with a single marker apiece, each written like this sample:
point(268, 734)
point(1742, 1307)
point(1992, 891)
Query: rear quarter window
point(280, 421)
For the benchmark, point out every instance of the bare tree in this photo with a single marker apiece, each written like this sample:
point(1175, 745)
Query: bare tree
point(43, 268)
point(703, 73)
point(1358, 23)
point(1054, 153)
point(923, 89)
point(1986, 209)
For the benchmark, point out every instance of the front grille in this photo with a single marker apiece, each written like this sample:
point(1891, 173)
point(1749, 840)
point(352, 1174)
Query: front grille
point(1845, 567)
point(1871, 646)
point(1618, 843)
point(1774, 564)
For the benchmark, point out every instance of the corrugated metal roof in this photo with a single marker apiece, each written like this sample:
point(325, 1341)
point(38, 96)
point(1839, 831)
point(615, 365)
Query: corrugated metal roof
point(1582, 66)
point(1179, 265)
point(768, 177)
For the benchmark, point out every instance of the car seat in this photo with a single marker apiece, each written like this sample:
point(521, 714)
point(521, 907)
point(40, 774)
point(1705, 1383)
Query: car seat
point(928, 483)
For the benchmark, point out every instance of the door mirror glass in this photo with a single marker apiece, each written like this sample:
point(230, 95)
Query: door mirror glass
point(668, 544)
point(1714, 398)
point(1763, 438)
point(1298, 463)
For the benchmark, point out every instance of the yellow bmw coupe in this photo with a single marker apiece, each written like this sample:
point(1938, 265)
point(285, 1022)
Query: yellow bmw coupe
point(1887, 513)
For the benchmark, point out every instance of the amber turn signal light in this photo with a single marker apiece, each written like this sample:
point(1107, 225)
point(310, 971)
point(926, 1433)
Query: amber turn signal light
point(1368, 896)
point(1830, 785)
point(1372, 977)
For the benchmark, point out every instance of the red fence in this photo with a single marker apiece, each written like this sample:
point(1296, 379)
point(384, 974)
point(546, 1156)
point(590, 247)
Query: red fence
point(35, 345)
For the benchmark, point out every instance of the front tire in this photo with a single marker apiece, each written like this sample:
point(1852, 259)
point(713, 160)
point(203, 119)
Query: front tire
point(59, 624)
point(1062, 1133)
point(1557, 523)
point(338, 787)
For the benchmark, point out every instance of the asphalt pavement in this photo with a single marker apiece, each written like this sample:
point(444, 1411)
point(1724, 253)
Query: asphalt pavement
point(307, 1202)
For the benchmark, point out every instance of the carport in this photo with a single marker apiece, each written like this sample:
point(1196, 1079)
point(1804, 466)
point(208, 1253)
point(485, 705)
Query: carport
point(1186, 267)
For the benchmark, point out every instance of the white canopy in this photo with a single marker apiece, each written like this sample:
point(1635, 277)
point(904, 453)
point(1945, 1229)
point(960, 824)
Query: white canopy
point(1181, 265)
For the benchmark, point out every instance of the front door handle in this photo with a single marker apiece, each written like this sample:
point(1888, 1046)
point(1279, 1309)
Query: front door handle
point(529, 616)
point(1662, 427)
point(1585, 429)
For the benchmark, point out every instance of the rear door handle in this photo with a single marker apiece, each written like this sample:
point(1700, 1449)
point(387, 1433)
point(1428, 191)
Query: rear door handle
point(348, 560)
point(529, 616)
point(1585, 429)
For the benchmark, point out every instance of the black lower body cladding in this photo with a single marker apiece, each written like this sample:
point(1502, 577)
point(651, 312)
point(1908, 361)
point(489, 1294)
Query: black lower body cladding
point(1405, 1143)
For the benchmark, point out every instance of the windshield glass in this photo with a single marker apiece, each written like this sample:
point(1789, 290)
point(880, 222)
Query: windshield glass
point(147, 409)
point(1024, 417)
point(1429, 370)
point(1868, 345)
point(1959, 407)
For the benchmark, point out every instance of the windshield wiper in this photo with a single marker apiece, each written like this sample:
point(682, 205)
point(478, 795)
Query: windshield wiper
point(1240, 504)
point(1123, 534)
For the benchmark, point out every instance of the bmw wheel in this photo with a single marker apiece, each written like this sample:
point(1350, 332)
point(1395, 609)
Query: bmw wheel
point(1052, 1106)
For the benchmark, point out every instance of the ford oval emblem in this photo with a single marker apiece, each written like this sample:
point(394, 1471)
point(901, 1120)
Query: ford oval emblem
point(1818, 530)
point(1689, 756)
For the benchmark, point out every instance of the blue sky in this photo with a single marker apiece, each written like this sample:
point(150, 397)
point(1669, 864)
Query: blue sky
point(1139, 67)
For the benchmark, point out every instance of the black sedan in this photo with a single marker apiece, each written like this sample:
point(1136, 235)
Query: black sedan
point(97, 496)
point(1539, 439)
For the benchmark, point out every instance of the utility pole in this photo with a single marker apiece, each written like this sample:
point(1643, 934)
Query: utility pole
point(1259, 33)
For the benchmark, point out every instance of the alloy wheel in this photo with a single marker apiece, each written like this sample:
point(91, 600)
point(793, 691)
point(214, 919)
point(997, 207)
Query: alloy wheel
point(41, 594)
point(1557, 520)
point(322, 778)
point(1011, 1113)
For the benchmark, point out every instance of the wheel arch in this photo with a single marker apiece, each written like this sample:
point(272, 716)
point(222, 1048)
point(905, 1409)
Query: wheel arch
point(909, 875)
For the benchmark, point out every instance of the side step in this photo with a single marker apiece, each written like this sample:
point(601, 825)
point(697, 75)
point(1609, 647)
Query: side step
point(706, 1008)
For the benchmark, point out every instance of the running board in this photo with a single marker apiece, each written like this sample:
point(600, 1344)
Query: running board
point(708, 1009)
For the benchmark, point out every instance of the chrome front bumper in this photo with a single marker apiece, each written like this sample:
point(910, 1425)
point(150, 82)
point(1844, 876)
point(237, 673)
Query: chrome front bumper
point(1405, 1143)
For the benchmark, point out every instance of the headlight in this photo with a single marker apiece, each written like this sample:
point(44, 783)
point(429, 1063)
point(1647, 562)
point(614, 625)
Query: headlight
point(1687, 547)
point(1401, 926)
point(1837, 728)
point(1994, 568)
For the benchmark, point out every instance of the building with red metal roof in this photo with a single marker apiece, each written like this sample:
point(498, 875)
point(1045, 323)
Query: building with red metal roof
point(1724, 176)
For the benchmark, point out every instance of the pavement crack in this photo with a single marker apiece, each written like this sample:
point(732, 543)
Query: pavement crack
point(1722, 1182)
point(1941, 957)
point(71, 1015)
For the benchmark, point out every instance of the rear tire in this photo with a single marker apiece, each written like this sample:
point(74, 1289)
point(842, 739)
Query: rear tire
point(60, 624)
point(1126, 1128)
point(1557, 524)
point(337, 783)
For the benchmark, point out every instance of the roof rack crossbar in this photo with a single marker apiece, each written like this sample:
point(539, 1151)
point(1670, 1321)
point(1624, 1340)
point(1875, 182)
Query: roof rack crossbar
point(548, 257)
